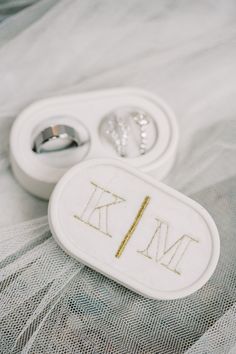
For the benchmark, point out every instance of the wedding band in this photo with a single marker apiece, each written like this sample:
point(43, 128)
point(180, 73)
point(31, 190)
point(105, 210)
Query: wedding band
point(56, 138)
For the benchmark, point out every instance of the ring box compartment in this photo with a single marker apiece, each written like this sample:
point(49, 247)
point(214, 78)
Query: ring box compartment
point(38, 173)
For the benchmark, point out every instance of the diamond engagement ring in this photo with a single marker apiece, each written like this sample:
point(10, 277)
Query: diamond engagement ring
point(131, 131)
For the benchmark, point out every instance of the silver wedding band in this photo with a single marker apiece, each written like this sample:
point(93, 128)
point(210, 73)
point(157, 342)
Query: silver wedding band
point(56, 138)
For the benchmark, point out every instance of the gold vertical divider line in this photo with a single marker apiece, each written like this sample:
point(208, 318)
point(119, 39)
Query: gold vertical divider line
point(132, 227)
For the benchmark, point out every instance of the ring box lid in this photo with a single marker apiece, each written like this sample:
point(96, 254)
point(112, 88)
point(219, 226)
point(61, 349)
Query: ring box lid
point(135, 230)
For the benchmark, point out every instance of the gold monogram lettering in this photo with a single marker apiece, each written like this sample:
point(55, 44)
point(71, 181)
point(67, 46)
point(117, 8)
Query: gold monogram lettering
point(96, 211)
point(168, 256)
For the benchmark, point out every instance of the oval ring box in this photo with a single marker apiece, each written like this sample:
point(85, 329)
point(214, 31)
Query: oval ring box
point(39, 173)
point(135, 230)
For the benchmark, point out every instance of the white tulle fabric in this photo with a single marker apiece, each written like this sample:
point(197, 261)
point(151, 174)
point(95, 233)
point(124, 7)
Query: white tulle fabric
point(183, 51)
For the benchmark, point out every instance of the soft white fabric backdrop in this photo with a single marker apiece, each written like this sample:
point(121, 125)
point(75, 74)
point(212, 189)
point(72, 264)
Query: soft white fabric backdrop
point(185, 51)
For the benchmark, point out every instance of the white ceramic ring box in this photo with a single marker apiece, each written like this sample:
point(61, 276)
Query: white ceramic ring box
point(135, 230)
point(38, 173)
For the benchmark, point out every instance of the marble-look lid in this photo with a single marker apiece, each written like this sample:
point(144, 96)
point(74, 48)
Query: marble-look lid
point(135, 230)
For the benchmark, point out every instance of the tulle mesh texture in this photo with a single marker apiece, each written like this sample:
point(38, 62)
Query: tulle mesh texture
point(51, 303)
point(183, 51)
